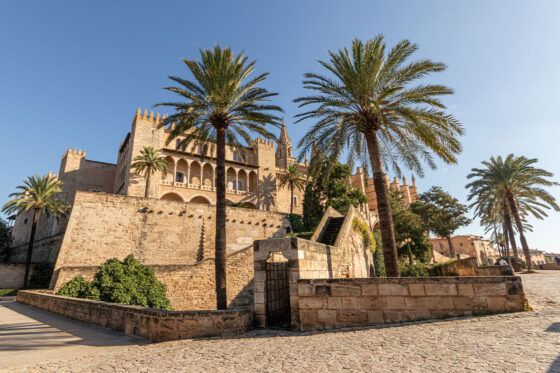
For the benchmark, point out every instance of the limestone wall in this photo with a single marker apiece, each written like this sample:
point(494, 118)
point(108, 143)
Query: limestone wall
point(44, 250)
point(191, 287)
point(11, 275)
point(339, 303)
point(155, 325)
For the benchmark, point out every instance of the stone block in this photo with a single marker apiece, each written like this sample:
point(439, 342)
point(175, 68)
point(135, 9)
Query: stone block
point(496, 304)
point(490, 288)
point(372, 303)
point(308, 316)
point(326, 316)
point(345, 290)
point(440, 289)
point(465, 289)
point(514, 288)
point(312, 302)
point(445, 303)
point(369, 289)
point(397, 316)
point(305, 290)
point(395, 303)
point(416, 290)
point(334, 303)
point(426, 303)
point(463, 303)
point(349, 303)
point(375, 317)
point(354, 316)
point(260, 287)
point(260, 276)
point(410, 303)
point(259, 298)
point(392, 289)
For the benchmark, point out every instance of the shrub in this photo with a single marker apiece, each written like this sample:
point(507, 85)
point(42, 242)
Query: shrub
point(79, 287)
point(367, 236)
point(413, 270)
point(41, 277)
point(297, 223)
point(126, 282)
point(8, 292)
point(378, 260)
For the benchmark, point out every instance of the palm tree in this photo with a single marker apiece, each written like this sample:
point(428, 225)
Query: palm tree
point(292, 178)
point(39, 195)
point(149, 162)
point(221, 105)
point(367, 100)
point(516, 183)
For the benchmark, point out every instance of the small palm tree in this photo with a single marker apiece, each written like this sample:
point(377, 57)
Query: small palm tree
point(221, 105)
point(367, 105)
point(149, 162)
point(293, 177)
point(515, 183)
point(39, 195)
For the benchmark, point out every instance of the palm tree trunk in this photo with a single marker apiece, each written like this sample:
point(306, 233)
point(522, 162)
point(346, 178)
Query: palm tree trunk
point(30, 248)
point(506, 246)
point(383, 207)
point(221, 291)
point(292, 199)
point(524, 245)
point(451, 248)
point(507, 221)
point(148, 176)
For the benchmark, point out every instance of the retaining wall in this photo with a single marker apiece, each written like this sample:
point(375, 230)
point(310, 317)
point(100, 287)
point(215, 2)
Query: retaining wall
point(11, 275)
point(338, 303)
point(152, 324)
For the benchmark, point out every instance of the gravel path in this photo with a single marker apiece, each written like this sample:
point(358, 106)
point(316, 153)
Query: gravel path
point(518, 342)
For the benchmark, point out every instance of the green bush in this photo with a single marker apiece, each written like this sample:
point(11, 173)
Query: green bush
point(126, 282)
point(304, 235)
point(297, 223)
point(41, 277)
point(8, 292)
point(378, 260)
point(413, 270)
point(79, 287)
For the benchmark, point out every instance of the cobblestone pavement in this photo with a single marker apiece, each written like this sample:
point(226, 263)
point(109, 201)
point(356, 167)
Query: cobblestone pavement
point(518, 342)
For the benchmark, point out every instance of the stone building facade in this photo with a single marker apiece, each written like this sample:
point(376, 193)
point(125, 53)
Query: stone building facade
point(467, 245)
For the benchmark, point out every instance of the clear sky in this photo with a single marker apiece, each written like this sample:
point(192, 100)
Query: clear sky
point(72, 74)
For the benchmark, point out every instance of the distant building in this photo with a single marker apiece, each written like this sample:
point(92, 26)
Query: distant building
point(468, 245)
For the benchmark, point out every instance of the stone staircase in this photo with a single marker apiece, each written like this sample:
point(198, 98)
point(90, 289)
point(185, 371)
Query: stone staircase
point(331, 231)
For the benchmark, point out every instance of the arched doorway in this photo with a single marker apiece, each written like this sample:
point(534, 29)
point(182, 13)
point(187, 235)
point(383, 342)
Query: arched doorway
point(172, 197)
point(200, 199)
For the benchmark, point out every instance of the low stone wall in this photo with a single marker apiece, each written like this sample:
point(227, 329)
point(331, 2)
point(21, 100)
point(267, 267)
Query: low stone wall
point(338, 303)
point(469, 267)
point(191, 287)
point(11, 275)
point(152, 324)
point(548, 266)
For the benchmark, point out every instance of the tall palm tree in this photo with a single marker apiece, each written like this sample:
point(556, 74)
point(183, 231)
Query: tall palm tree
point(517, 182)
point(149, 162)
point(293, 177)
point(222, 104)
point(39, 195)
point(368, 100)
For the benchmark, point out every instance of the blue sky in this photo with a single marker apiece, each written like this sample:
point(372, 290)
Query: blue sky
point(72, 74)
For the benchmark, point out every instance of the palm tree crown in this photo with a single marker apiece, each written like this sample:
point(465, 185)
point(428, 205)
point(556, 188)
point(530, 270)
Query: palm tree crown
point(149, 162)
point(368, 102)
point(511, 186)
point(293, 178)
point(38, 193)
point(222, 104)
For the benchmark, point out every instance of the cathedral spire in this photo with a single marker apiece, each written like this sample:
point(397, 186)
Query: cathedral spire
point(284, 138)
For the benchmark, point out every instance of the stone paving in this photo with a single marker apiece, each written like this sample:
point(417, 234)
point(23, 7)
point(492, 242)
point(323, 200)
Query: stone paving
point(517, 342)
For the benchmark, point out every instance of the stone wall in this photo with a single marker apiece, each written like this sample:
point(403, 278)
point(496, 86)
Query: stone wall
point(44, 250)
point(339, 303)
point(469, 267)
point(192, 287)
point(155, 325)
point(11, 275)
point(104, 226)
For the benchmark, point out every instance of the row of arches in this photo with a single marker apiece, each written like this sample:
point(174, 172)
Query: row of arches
point(172, 196)
point(195, 174)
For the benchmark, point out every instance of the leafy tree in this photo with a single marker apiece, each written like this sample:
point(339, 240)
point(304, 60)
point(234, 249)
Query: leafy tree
point(126, 282)
point(334, 190)
point(517, 184)
point(222, 104)
point(442, 214)
point(292, 177)
point(5, 240)
point(368, 102)
point(378, 261)
point(41, 277)
point(410, 231)
point(149, 162)
point(38, 194)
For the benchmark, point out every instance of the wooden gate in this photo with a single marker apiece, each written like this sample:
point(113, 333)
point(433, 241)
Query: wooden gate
point(277, 295)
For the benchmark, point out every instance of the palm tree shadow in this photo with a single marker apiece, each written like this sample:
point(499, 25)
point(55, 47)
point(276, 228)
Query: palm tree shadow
point(267, 193)
point(555, 367)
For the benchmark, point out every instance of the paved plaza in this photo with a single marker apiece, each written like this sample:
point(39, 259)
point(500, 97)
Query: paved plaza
point(36, 341)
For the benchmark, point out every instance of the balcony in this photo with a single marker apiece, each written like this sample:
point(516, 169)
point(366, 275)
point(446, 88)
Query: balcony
point(206, 187)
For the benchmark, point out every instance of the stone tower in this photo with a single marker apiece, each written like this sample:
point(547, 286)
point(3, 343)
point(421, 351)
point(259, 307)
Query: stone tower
point(284, 153)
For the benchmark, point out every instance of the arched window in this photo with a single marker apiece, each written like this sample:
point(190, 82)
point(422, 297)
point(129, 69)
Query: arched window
point(179, 177)
point(295, 201)
point(237, 157)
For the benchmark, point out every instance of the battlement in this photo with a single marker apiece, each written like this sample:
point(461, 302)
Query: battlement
point(269, 143)
point(74, 151)
point(52, 175)
point(155, 119)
